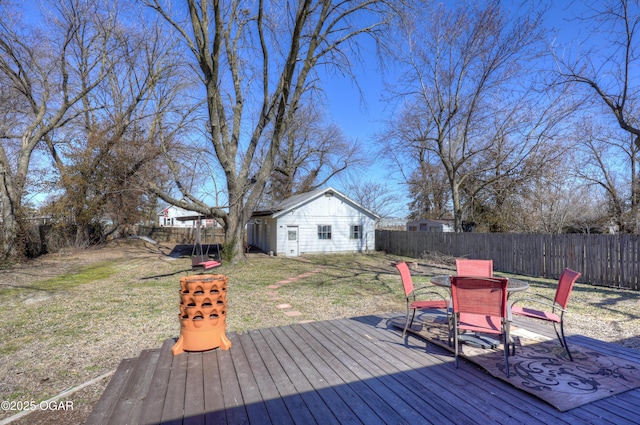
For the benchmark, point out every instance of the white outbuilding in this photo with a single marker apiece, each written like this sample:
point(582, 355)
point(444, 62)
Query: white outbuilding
point(321, 221)
point(173, 216)
point(427, 225)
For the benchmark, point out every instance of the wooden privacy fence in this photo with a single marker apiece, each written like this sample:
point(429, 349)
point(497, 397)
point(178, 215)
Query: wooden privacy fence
point(609, 260)
point(183, 235)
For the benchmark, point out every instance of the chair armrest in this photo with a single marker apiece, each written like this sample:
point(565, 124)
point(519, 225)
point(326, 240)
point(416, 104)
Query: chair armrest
point(425, 290)
point(540, 300)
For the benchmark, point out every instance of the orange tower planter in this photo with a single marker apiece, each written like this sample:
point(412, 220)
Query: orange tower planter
point(203, 313)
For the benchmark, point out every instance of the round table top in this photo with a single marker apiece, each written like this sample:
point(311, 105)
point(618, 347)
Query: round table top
point(515, 285)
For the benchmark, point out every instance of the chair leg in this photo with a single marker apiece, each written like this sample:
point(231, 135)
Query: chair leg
point(506, 358)
point(455, 339)
point(564, 341)
point(506, 342)
point(407, 322)
point(555, 328)
point(449, 326)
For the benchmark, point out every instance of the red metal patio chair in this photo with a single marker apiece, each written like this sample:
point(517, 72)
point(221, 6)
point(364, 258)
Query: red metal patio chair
point(466, 267)
point(558, 305)
point(411, 294)
point(480, 306)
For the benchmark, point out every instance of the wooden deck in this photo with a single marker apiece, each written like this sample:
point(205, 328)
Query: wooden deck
point(347, 371)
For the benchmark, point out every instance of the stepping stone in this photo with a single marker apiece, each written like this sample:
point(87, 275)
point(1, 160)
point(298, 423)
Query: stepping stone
point(283, 306)
point(293, 313)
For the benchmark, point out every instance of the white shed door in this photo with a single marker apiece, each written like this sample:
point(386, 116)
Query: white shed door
point(292, 241)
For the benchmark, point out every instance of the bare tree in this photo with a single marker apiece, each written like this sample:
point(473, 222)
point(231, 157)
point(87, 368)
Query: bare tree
point(107, 154)
point(256, 60)
point(46, 73)
point(607, 66)
point(429, 190)
point(464, 101)
point(312, 153)
point(607, 157)
point(492, 191)
point(377, 197)
point(561, 203)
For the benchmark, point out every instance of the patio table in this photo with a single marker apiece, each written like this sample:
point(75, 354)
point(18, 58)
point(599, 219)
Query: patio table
point(515, 285)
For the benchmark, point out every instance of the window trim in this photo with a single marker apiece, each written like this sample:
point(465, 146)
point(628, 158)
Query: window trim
point(324, 232)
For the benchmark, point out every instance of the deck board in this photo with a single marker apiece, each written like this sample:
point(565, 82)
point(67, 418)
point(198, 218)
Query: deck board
point(346, 371)
point(292, 364)
point(111, 396)
point(129, 406)
point(230, 379)
point(340, 399)
point(194, 391)
point(267, 389)
point(154, 401)
point(173, 408)
point(256, 408)
point(340, 358)
point(397, 377)
point(275, 373)
point(313, 351)
point(371, 371)
point(213, 393)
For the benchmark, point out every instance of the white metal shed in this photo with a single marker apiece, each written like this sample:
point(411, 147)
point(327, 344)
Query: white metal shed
point(315, 222)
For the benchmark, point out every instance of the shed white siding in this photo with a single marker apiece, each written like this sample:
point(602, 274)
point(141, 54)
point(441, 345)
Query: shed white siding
point(304, 213)
point(262, 234)
point(332, 211)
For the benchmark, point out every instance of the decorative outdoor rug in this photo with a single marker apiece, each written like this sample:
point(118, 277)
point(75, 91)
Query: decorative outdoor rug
point(541, 366)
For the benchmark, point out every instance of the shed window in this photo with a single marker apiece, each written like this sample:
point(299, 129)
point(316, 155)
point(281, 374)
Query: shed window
point(324, 231)
point(355, 232)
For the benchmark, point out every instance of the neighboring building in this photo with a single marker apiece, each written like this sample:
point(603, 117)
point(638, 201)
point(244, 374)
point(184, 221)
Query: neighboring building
point(173, 216)
point(428, 225)
point(392, 223)
point(321, 221)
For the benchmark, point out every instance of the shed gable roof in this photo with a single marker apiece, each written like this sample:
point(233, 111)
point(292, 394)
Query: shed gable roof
point(298, 200)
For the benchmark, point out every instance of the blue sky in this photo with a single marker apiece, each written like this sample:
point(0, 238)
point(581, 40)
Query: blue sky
point(361, 118)
point(357, 121)
point(362, 121)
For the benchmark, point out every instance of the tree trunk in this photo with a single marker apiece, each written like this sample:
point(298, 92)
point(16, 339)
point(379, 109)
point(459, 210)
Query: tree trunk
point(11, 203)
point(457, 208)
point(234, 240)
point(9, 232)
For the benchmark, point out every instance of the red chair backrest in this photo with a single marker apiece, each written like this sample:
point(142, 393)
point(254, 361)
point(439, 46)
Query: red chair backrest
point(405, 275)
point(565, 285)
point(466, 267)
point(479, 295)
